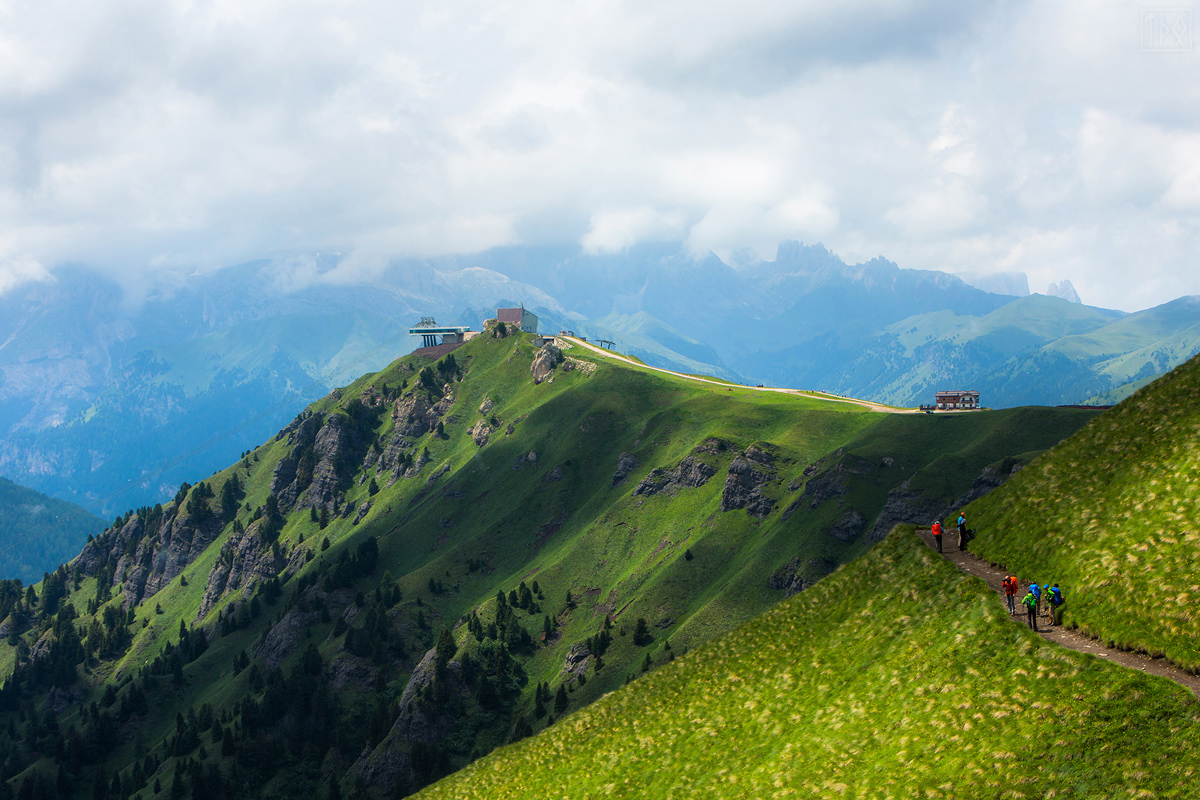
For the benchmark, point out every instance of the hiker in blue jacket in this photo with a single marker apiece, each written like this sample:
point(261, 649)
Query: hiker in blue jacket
point(1054, 602)
point(963, 535)
point(1036, 591)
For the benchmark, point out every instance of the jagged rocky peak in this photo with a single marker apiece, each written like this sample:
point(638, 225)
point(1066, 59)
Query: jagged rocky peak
point(1064, 290)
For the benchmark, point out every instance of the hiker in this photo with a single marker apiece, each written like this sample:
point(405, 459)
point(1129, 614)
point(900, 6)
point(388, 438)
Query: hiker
point(1054, 601)
point(1010, 593)
point(964, 535)
point(1030, 602)
point(937, 534)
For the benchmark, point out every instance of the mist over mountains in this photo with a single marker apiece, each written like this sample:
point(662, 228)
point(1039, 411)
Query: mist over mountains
point(111, 400)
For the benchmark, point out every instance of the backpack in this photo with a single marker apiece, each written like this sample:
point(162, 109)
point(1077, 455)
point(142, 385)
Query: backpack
point(1056, 596)
point(1029, 601)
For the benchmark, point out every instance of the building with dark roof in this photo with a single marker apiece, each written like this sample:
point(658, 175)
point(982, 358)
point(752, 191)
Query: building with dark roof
point(527, 321)
point(956, 400)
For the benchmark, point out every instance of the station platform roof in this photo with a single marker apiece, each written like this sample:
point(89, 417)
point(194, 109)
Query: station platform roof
point(437, 330)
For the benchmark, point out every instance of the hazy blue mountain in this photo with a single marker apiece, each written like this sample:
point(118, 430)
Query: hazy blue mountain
point(1037, 350)
point(101, 392)
point(37, 533)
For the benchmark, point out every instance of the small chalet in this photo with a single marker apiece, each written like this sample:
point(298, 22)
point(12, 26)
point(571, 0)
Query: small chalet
point(957, 400)
point(527, 321)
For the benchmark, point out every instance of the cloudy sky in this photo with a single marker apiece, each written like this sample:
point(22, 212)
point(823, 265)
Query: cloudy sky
point(1059, 139)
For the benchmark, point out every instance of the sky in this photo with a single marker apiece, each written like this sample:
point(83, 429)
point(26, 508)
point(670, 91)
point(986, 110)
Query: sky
point(1061, 139)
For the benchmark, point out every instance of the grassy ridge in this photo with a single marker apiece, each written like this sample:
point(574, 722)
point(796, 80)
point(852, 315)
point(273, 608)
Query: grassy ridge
point(896, 677)
point(536, 503)
point(1110, 513)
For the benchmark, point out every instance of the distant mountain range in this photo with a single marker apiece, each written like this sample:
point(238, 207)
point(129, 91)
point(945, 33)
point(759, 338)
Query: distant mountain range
point(112, 401)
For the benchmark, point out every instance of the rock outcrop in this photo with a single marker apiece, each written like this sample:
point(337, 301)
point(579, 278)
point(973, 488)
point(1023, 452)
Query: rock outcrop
point(906, 506)
point(547, 358)
point(848, 526)
point(799, 574)
point(748, 474)
point(991, 478)
point(691, 473)
point(311, 476)
point(284, 636)
point(626, 463)
point(481, 432)
point(576, 662)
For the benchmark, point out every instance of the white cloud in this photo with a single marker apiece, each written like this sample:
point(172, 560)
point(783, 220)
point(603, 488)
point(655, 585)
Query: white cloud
point(16, 270)
point(613, 231)
point(942, 135)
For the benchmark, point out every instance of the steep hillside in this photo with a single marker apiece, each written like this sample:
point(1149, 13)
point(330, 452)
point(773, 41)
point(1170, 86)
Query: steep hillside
point(37, 533)
point(896, 677)
point(1110, 514)
point(447, 555)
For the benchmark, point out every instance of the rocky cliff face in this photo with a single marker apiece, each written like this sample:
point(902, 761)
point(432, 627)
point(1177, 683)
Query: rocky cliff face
point(146, 560)
point(245, 561)
point(389, 766)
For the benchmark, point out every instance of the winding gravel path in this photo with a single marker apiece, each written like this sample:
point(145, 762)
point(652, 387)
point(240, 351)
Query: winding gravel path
point(1066, 637)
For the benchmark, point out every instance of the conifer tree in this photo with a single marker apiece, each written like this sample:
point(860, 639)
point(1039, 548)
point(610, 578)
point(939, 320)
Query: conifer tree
point(446, 648)
point(641, 633)
point(561, 701)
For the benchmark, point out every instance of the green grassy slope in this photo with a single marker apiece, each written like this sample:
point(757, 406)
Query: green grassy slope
point(536, 505)
point(896, 677)
point(1110, 513)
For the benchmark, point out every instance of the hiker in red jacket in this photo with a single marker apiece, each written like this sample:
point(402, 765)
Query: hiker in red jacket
point(1010, 593)
point(937, 534)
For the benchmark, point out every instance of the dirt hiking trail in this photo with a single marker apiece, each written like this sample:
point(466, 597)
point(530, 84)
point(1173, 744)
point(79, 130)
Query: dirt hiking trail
point(967, 562)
